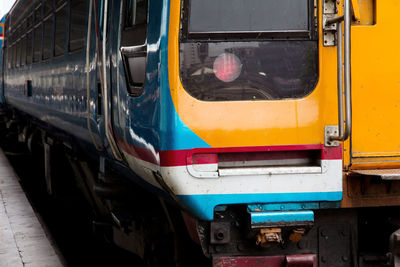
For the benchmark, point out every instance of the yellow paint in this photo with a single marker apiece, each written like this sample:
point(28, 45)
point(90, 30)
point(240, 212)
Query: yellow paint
point(364, 12)
point(356, 10)
point(376, 87)
point(256, 123)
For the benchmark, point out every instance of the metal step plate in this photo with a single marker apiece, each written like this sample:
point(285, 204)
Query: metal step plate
point(384, 174)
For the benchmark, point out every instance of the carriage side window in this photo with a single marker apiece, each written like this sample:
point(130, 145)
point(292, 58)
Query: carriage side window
point(37, 35)
point(48, 7)
point(60, 29)
point(47, 28)
point(77, 29)
point(9, 55)
point(133, 43)
point(38, 14)
point(23, 50)
point(9, 46)
point(18, 47)
point(29, 39)
point(29, 47)
point(12, 53)
point(47, 35)
point(37, 42)
point(14, 56)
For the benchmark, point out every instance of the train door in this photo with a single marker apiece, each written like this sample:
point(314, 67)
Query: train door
point(375, 86)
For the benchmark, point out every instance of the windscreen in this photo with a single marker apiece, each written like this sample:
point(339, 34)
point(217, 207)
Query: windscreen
point(248, 15)
point(240, 50)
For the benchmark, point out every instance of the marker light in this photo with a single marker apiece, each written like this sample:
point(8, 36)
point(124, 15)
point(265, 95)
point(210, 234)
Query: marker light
point(227, 67)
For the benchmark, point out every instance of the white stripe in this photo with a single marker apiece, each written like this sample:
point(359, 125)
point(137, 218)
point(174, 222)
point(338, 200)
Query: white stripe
point(182, 183)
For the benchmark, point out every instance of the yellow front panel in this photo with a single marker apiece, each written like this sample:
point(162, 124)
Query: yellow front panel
point(256, 123)
point(376, 87)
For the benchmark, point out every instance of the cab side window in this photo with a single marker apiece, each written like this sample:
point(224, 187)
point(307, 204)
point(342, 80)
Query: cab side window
point(133, 44)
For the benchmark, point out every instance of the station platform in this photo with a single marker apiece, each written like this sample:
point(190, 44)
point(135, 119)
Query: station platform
point(23, 240)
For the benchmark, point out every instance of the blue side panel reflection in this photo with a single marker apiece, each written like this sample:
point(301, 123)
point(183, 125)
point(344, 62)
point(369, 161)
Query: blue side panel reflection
point(151, 120)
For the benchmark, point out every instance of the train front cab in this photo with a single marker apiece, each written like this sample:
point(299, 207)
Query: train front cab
point(261, 90)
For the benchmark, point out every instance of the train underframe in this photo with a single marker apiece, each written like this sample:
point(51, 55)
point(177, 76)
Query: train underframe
point(364, 233)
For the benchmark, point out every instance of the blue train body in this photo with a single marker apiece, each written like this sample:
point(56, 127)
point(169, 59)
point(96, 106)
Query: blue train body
point(66, 71)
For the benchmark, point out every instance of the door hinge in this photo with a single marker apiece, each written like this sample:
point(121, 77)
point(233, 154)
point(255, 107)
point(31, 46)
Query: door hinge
point(329, 30)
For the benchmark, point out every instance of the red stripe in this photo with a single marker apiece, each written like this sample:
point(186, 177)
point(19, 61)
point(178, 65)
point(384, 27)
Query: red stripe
point(185, 157)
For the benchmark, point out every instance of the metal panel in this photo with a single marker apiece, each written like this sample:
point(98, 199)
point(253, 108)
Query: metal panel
point(284, 218)
point(375, 86)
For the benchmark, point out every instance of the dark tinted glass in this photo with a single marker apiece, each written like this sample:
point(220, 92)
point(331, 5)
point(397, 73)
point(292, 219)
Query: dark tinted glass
point(248, 15)
point(18, 54)
point(9, 56)
point(60, 32)
point(29, 22)
point(29, 48)
point(77, 25)
point(48, 7)
point(14, 55)
point(136, 12)
point(23, 26)
point(23, 51)
point(38, 14)
point(37, 43)
point(18, 32)
point(252, 71)
point(47, 37)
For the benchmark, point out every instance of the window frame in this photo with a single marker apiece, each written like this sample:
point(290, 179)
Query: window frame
point(131, 48)
point(310, 34)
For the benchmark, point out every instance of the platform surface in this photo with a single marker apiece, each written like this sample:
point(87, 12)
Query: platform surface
point(23, 241)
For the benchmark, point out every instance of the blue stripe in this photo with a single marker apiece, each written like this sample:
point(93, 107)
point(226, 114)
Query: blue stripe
point(293, 206)
point(203, 206)
point(284, 216)
point(175, 133)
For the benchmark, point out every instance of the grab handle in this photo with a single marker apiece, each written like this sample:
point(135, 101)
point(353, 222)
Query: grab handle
point(345, 125)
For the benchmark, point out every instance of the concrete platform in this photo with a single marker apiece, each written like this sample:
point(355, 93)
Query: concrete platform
point(23, 241)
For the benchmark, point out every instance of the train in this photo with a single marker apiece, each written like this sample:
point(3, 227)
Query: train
point(255, 133)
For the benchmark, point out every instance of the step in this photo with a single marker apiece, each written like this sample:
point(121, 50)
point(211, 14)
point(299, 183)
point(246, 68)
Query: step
point(384, 174)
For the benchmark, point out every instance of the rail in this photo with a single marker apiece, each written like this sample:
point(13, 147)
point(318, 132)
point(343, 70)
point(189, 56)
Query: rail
point(345, 125)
